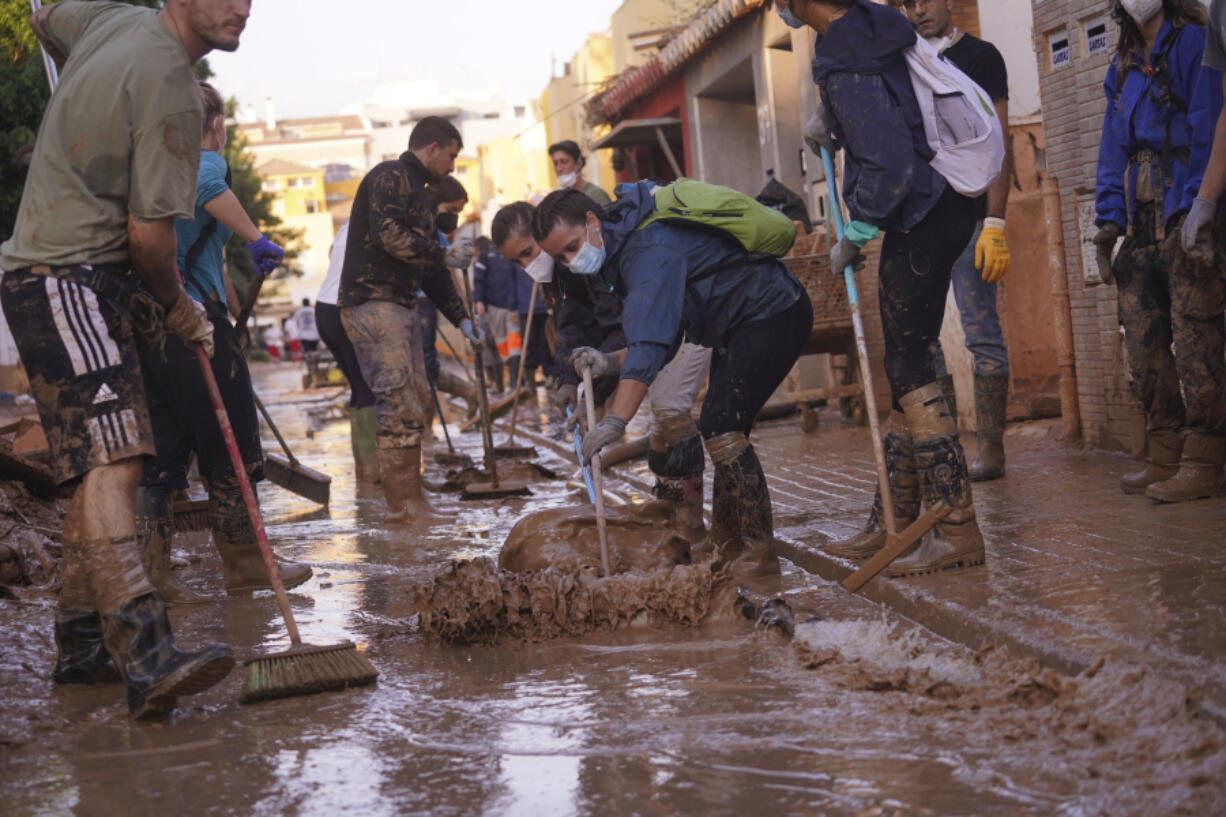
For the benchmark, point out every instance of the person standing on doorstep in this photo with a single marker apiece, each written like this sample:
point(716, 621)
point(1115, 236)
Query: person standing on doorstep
point(332, 333)
point(568, 164)
point(392, 252)
point(869, 109)
point(115, 163)
point(1156, 141)
point(496, 302)
point(590, 316)
point(179, 405)
point(986, 258)
point(308, 330)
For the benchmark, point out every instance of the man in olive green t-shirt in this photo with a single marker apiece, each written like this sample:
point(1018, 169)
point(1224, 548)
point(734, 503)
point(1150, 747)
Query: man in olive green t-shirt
point(115, 162)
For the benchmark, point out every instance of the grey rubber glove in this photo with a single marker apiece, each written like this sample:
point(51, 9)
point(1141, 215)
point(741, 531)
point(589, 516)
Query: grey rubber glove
point(472, 333)
point(568, 395)
point(1196, 223)
point(843, 253)
point(1105, 240)
point(459, 256)
point(602, 364)
point(817, 132)
point(188, 320)
point(608, 430)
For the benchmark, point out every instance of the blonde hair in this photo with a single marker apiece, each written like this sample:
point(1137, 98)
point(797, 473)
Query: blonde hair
point(214, 105)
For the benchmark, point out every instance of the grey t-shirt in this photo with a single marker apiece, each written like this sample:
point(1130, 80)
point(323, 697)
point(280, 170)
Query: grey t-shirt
point(121, 135)
point(1215, 51)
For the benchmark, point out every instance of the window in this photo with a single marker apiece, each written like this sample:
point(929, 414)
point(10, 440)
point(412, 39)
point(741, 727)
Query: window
point(312, 206)
point(270, 186)
point(301, 183)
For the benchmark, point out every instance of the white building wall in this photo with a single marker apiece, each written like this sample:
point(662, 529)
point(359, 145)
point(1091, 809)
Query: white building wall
point(1009, 25)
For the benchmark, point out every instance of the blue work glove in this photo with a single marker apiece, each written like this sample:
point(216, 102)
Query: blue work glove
point(1196, 224)
point(608, 430)
point(602, 364)
point(265, 255)
point(473, 334)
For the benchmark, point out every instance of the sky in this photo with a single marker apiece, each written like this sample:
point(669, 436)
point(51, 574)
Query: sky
point(316, 56)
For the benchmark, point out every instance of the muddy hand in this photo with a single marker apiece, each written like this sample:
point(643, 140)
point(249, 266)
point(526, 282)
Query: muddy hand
point(1105, 240)
point(188, 320)
point(608, 430)
point(567, 397)
point(1194, 234)
point(602, 364)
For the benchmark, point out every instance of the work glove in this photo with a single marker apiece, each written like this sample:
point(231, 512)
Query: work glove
point(602, 364)
point(567, 397)
point(817, 132)
point(1105, 240)
point(845, 252)
point(992, 251)
point(472, 333)
point(608, 430)
point(459, 256)
point(265, 255)
point(188, 320)
point(1196, 225)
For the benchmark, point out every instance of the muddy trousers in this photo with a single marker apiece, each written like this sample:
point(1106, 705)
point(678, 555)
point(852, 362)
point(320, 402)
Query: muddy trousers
point(913, 282)
point(976, 300)
point(332, 333)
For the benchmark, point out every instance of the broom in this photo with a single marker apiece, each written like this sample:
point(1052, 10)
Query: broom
point(302, 669)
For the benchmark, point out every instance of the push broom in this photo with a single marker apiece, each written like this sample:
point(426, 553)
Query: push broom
point(302, 669)
point(509, 449)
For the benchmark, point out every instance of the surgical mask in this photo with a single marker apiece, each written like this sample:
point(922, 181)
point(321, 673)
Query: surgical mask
point(588, 260)
point(567, 179)
point(1141, 11)
point(447, 222)
point(789, 19)
point(540, 269)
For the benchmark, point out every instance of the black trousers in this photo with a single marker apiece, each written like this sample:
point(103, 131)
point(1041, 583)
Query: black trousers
point(756, 357)
point(332, 333)
point(912, 285)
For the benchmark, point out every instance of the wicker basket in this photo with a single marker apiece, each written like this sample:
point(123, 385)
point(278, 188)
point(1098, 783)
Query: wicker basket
point(827, 292)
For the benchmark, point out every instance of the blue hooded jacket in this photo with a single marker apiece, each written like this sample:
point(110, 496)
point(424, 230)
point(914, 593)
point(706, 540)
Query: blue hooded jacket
point(873, 116)
point(1139, 119)
point(494, 280)
point(672, 277)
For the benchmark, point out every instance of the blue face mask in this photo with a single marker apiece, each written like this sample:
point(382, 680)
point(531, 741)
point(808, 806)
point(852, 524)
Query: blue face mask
point(789, 19)
point(588, 260)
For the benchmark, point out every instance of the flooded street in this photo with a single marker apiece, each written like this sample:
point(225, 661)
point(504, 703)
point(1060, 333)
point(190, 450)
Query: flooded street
point(861, 714)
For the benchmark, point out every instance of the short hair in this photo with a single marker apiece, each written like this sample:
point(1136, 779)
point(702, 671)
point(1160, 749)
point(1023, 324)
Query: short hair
point(306, 301)
point(447, 189)
point(513, 220)
point(481, 244)
point(570, 148)
point(434, 130)
point(569, 207)
point(214, 105)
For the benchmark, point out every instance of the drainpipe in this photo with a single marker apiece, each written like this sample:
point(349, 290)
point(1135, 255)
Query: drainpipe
point(1070, 410)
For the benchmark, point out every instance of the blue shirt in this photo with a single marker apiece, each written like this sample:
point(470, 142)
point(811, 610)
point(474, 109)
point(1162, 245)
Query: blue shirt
point(210, 267)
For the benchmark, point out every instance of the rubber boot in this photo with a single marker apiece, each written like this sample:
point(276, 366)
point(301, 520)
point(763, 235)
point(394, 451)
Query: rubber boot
point(362, 424)
point(946, 382)
point(495, 373)
point(82, 657)
point(154, 518)
point(136, 632)
point(722, 539)
point(1161, 464)
point(904, 488)
point(1200, 472)
point(460, 387)
point(685, 495)
point(749, 503)
point(955, 541)
point(236, 543)
point(512, 371)
point(406, 504)
point(991, 400)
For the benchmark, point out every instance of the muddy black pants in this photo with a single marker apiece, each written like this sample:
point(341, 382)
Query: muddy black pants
point(332, 333)
point(755, 358)
point(912, 284)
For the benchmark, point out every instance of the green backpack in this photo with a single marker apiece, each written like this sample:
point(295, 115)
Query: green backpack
point(760, 229)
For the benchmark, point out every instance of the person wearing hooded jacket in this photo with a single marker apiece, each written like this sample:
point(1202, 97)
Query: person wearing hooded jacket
point(869, 110)
point(1156, 140)
point(683, 282)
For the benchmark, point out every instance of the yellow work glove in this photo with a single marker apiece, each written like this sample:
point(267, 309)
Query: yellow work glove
point(991, 250)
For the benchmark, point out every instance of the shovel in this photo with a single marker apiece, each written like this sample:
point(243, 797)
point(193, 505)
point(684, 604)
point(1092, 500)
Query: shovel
point(509, 449)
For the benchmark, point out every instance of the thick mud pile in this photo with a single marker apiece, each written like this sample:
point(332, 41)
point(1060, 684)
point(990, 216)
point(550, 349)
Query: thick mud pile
point(508, 471)
point(1127, 740)
point(29, 527)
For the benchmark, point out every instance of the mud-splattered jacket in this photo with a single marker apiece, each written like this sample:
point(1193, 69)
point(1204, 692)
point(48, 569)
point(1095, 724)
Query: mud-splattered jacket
point(393, 248)
point(1169, 111)
point(873, 115)
point(587, 313)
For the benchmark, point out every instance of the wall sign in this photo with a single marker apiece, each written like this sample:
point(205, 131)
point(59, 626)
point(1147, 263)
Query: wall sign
point(1058, 47)
point(1096, 35)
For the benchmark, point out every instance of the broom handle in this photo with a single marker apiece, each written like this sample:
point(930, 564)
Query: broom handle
point(519, 376)
point(870, 398)
point(53, 74)
point(253, 511)
point(487, 436)
point(597, 477)
point(439, 408)
point(275, 431)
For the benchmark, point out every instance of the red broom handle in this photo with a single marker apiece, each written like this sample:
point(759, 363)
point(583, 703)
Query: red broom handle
point(253, 511)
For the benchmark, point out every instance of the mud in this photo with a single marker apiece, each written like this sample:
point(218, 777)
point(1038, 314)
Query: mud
point(508, 471)
point(29, 537)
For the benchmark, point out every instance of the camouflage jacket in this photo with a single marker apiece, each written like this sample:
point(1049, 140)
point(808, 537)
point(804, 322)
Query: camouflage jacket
point(393, 247)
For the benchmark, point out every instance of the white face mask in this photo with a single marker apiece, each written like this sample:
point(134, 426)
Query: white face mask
point(1141, 11)
point(540, 269)
point(941, 43)
point(567, 179)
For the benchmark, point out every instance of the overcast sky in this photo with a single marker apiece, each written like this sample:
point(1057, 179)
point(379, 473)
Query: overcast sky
point(315, 56)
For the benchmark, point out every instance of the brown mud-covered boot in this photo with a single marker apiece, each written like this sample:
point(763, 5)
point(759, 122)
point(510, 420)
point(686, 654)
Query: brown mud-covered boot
point(991, 404)
point(674, 455)
point(154, 517)
point(685, 495)
point(1161, 464)
point(236, 543)
point(748, 502)
point(904, 488)
point(955, 541)
point(946, 383)
point(137, 635)
point(460, 387)
point(362, 424)
point(402, 486)
point(1200, 472)
point(81, 655)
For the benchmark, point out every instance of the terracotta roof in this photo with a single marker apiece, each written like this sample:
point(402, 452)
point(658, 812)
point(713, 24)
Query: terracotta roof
point(636, 82)
point(282, 167)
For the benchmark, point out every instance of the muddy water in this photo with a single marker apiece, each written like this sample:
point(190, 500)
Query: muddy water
point(860, 716)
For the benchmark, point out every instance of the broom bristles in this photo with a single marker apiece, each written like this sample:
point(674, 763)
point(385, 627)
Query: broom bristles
point(282, 675)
